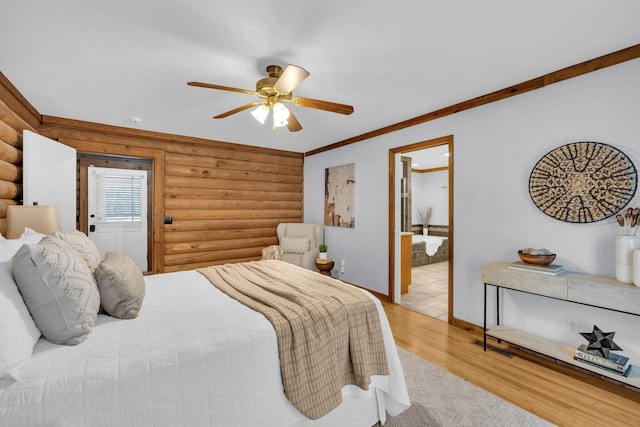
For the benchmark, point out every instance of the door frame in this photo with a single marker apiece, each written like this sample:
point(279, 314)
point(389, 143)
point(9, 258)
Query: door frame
point(86, 159)
point(445, 140)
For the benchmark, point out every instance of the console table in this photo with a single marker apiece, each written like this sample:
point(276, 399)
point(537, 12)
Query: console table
point(596, 291)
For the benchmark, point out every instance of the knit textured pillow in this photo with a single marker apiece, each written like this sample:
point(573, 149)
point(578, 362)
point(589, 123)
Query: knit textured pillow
point(58, 289)
point(83, 245)
point(295, 245)
point(121, 285)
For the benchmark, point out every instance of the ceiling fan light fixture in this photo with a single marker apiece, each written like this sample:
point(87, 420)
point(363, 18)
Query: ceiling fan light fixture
point(272, 91)
point(280, 115)
point(260, 113)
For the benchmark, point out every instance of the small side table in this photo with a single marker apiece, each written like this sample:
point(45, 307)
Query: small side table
point(325, 265)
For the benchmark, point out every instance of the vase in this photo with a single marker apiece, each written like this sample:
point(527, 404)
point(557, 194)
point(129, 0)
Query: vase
point(636, 267)
point(323, 255)
point(625, 245)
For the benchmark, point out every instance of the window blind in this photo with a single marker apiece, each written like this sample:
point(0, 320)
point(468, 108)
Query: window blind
point(118, 198)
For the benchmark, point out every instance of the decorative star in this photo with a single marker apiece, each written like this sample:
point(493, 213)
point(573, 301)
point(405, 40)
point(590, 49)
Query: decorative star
point(600, 341)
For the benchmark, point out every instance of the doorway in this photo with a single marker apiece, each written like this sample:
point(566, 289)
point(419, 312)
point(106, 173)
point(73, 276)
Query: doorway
point(131, 236)
point(117, 212)
point(427, 239)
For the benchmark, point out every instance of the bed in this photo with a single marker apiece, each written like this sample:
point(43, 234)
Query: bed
point(193, 356)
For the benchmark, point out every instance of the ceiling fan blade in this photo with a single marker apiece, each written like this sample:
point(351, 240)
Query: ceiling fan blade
point(293, 124)
point(323, 105)
point(237, 110)
point(230, 89)
point(291, 77)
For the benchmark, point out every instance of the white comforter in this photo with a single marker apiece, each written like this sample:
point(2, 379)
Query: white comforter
point(193, 357)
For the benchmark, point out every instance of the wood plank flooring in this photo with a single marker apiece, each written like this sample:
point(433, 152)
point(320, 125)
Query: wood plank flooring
point(560, 395)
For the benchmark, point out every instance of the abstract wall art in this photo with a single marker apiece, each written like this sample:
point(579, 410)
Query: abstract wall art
point(340, 196)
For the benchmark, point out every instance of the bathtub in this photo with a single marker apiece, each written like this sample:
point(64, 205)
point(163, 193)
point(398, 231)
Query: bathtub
point(428, 249)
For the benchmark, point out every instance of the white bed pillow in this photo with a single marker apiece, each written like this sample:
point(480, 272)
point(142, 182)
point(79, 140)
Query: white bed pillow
point(83, 245)
point(18, 332)
point(58, 289)
point(31, 236)
point(295, 245)
point(9, 247)
point(121, 285)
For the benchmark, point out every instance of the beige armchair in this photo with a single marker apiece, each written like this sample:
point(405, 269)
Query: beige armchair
point(299, 243)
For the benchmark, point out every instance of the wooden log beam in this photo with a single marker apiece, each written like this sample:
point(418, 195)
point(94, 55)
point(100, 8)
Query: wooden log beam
point(185, 235)
point(18, 103)
point(10, 135)
point(232, 204)
point(8, 116)
point(247, 227)
point(218, 245)
point(235, 175)
point(10, 154)
point(203, 214)
point(224, 184)
point(10, 172)
point(228, 194)
point(212, 159)
point(10, 190)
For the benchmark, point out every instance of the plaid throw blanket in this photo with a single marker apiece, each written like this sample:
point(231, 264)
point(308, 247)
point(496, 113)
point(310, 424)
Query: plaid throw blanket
point(328, 332)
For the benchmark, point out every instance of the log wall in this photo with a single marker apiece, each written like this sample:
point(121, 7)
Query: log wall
point(16, 115)
point(226, 199)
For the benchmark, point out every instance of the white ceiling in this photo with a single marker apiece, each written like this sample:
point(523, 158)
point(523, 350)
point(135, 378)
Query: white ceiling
point(429, 158)
point(107, 60)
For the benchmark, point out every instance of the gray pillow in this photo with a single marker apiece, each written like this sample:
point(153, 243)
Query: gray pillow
point(121, 285)
point(58, 289)
point(83, 245)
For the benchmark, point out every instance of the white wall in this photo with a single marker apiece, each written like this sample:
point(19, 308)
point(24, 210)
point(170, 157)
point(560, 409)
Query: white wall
point(495, 147)
point(431, 189)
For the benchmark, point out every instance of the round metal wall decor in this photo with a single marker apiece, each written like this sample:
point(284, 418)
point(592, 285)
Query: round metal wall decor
point(583, 182)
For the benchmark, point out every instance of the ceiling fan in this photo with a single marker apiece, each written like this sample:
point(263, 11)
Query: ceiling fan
point(274, 91)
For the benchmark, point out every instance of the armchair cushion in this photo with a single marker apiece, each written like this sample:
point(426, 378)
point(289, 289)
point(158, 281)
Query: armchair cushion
point(311, 233)
point(295, 245)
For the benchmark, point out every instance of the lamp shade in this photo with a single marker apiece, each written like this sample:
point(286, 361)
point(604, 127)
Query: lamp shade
point(260, 113)
point(44, 219)
point(280, 115)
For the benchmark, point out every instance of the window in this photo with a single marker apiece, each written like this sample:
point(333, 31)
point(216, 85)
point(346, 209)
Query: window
point(118, 197)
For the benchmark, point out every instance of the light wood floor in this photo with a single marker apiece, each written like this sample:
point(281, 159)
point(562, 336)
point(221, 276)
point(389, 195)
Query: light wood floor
point(560, 395)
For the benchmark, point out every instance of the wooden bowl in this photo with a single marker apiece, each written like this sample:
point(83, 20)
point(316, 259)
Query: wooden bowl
point(536, 259)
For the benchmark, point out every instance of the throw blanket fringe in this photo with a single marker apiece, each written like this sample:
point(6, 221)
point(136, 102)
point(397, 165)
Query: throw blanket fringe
point(328, 332)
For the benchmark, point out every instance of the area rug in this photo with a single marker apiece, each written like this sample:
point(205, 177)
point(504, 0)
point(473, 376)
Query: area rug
point(441, 399)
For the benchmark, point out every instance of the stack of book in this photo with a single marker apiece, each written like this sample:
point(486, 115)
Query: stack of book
point(551, 269)
point(615, 363)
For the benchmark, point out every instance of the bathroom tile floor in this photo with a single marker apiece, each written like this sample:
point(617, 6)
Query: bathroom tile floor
point(428, 292)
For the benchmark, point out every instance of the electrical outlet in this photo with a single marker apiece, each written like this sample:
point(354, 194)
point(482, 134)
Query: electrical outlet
point(342, 266)
point(572, 325)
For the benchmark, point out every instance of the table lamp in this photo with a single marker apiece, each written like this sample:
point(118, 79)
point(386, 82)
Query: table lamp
point(44, 219)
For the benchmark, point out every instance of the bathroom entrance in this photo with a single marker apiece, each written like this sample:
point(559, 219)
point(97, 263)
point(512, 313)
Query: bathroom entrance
point(420, 225)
